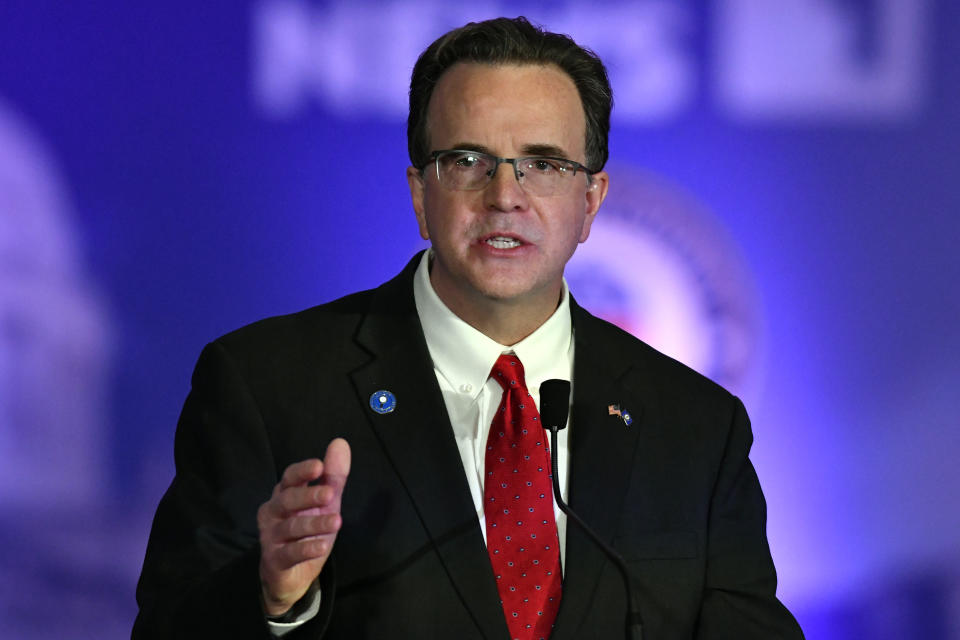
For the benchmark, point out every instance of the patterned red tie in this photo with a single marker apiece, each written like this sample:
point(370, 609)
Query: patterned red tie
point(518, 505)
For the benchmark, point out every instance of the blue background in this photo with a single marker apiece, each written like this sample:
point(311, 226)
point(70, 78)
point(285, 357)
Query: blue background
point(190, 208)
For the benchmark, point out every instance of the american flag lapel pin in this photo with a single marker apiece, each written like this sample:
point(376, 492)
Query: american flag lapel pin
point(623, 414)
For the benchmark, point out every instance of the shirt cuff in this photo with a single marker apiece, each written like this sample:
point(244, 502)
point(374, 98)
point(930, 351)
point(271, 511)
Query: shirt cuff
point(303, 611)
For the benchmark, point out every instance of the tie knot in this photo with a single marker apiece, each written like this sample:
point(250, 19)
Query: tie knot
point(508, 372)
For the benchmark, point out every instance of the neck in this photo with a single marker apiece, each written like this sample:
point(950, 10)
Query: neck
point(506, 321)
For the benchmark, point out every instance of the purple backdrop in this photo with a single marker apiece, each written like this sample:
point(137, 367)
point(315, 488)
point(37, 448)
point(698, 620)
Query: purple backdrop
point(782, 217)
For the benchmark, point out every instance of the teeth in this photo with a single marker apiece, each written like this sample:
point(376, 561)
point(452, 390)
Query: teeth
point(500, 242)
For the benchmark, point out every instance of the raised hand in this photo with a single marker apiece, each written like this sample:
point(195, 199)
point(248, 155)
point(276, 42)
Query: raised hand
point(299, 524)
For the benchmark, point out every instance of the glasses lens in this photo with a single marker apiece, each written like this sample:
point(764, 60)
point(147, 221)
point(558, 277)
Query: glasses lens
point(464, 170)
point(546, 176)
point(473, 170)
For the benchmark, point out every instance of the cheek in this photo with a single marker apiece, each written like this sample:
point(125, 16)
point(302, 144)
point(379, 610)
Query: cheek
point(441, 222)
point(450, 214)
point(429, 218)
point(574, 230)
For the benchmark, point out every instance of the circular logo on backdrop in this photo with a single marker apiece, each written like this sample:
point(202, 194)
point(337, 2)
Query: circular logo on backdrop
point(660, 265)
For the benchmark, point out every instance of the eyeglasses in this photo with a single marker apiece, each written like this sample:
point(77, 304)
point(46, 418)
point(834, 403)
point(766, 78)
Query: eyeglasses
point(461, 170)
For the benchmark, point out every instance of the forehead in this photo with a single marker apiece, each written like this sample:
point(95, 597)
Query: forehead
point(506, 108)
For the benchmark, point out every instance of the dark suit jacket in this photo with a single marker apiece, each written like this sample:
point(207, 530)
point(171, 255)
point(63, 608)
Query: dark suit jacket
point(674, 492)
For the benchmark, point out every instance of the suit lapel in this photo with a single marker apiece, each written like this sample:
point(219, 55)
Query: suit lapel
point(602, 455)
point(419, 441)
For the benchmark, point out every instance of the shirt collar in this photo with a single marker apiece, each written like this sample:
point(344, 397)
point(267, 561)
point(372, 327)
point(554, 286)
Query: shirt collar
point(464, 356)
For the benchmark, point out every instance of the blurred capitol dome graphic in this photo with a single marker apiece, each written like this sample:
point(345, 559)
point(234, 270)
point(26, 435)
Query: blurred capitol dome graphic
point(53, 337)
point(659, 265)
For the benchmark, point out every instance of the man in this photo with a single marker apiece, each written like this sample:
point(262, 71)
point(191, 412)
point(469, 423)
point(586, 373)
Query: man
point(350, 471)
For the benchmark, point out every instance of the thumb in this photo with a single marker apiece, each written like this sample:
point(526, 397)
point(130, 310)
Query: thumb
point(336, 462)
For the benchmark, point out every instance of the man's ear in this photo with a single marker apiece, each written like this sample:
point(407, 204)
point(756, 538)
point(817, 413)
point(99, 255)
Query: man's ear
point(415, 182)
point(596, 194)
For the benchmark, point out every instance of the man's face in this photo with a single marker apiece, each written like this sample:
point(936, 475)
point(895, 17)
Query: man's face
point(508, 111)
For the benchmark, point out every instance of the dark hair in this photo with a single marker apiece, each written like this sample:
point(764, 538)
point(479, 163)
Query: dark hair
point(516, 41)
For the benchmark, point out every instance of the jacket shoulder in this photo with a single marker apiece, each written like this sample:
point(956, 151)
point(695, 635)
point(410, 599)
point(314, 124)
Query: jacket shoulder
point(294, 327)
point(332, 325)
point(290, 331)
point(610, 343)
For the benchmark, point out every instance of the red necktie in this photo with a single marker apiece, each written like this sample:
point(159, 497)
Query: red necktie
point(518, 505)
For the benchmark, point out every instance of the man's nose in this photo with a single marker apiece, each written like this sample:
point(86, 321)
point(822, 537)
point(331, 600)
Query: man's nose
point(504, 192)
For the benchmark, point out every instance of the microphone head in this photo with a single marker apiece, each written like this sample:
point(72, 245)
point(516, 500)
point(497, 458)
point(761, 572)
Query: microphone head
point(554, 403)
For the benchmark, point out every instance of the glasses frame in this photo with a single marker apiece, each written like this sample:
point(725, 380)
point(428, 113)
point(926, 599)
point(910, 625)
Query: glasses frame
point(435, 159)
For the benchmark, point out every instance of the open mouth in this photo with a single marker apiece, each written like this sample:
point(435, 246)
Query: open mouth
point(503, 242)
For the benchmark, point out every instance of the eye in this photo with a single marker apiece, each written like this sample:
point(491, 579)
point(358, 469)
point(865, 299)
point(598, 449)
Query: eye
point(466, 161)
point(545, 165)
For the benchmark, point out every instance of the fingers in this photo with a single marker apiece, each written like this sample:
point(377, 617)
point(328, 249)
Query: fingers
point(299, 524)
point(312, 484)
point(301, 472)
point(294, 500)
point(304, 527)
point(306, 503)
point(296, 553)
point(301, 539)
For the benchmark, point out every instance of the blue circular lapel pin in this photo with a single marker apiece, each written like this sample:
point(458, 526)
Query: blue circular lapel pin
point(383, 401)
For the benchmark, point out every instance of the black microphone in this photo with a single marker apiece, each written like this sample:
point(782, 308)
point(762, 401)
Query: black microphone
point(554, 407)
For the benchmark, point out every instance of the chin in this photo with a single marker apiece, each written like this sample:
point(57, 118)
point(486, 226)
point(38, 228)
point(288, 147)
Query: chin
point(509, 289)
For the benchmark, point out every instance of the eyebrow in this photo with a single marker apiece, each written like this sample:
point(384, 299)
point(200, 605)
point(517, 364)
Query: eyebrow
point(472, 146)
point(537, 149)
point(544, 150)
